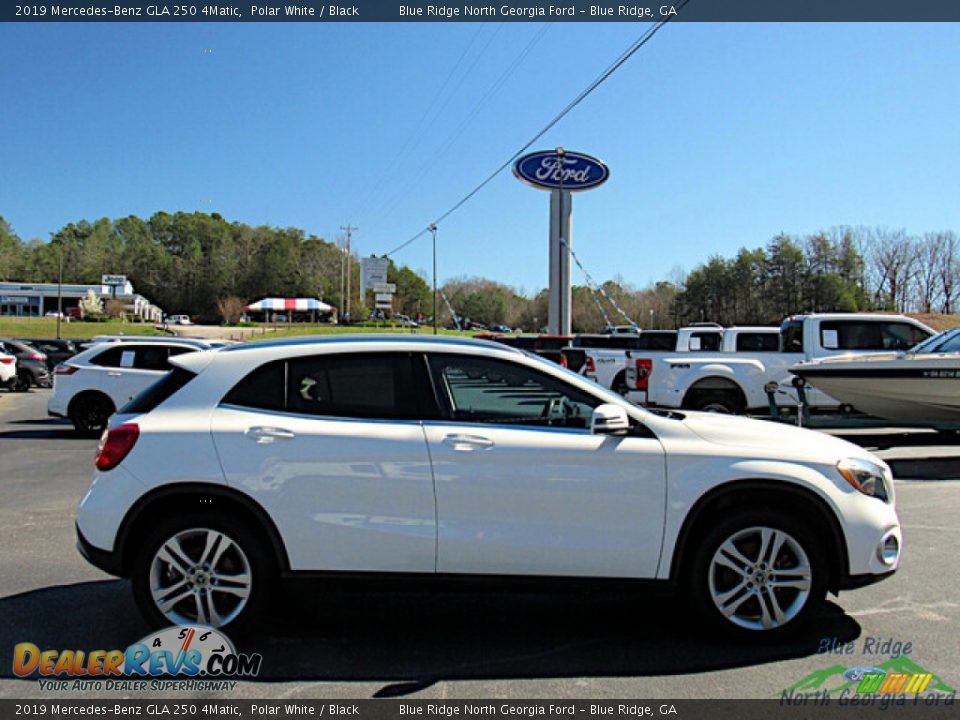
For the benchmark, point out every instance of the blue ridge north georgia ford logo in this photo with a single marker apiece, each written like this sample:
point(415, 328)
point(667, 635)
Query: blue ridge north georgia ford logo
point(549, 170)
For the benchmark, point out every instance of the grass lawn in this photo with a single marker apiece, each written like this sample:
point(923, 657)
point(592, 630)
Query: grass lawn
point(13, 327)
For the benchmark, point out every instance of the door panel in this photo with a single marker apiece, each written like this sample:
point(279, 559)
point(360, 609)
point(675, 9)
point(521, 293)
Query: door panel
point(546, 502)
point(345, 494)
point(524, 487)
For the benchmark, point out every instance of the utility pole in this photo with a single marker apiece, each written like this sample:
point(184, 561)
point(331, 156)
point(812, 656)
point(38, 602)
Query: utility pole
point(59, 289)
point(349, 230)
point(433, 231)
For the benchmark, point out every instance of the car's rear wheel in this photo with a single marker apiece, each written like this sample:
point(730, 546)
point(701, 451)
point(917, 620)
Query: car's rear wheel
point(759, 574)
point(90, 413)
point(206, 569)
point(22, 382)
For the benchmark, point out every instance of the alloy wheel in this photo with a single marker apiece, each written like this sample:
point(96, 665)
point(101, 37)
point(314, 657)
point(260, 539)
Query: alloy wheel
point(200, 576)
point(760, 578)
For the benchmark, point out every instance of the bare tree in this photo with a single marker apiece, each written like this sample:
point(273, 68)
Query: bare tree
point(948, 268)
point(928, 271)
point(892, 260)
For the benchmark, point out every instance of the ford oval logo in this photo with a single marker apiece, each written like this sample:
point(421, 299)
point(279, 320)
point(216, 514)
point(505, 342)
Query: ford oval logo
point(548, 171)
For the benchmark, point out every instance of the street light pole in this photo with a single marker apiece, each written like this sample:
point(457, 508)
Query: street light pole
point(433, 231)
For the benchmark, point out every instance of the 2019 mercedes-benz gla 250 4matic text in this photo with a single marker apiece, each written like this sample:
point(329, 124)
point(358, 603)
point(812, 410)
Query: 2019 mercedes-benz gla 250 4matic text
point(434, 458)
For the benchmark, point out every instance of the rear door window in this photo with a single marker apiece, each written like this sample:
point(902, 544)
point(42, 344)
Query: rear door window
point(758, 342)
point(870, 335)
point(357, 385)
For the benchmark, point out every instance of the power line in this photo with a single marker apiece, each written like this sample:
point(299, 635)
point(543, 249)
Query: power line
point(626, 55)
point(415, 136)
point(460, 129)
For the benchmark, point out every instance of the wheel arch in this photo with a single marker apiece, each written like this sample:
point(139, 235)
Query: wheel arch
point(181, 497)
point(716, 383)
point(794, 499)
point(88, 393)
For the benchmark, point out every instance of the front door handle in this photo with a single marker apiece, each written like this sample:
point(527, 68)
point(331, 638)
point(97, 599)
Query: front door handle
point(114, 374)
point(467, 443)
point(266, 435)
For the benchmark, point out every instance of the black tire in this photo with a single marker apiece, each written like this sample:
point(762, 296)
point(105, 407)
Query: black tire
point(254, 552)
point(90, 412)
point(620, 384)
point(726, 402)
point(706, 580)
point(23, 381)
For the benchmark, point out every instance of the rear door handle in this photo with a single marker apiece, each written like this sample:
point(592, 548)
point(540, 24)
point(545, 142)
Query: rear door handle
point(114, 374)
point(266, 435)
point(467, 443)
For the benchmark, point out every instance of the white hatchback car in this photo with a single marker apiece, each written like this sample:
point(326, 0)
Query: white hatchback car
point(433, 458)
point(91, 385)
point(8, 367)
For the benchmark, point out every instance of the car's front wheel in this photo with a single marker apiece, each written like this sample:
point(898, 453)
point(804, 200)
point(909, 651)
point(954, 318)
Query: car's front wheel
point(759, 574)
point(206, 569)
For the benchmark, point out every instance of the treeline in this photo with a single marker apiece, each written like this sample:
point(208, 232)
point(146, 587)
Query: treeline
point(201, 264)
point(845, 269)
point(191, 262)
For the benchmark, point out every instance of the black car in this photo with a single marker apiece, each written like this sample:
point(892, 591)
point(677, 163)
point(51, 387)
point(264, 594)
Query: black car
point(31, 365)
point(56, 350)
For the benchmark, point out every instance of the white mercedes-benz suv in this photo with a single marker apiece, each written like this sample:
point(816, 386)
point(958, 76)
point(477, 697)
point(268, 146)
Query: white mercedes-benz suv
point(433, 458)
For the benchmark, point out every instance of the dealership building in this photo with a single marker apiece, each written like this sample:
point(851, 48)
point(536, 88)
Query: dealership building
point(36, 299)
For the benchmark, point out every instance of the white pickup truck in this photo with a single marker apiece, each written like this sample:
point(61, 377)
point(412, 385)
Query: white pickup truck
point(608, 365)
point(734, 383)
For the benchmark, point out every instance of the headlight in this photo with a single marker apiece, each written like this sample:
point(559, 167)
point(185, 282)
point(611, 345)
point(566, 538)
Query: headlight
point(867, 477)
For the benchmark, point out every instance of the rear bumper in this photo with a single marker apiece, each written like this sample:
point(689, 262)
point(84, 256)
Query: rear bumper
point(106, 560)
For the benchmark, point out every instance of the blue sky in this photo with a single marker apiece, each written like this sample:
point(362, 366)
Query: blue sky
point(718, 136)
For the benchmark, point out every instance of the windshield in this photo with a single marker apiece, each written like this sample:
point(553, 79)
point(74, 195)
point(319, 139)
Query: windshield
point(947, 341)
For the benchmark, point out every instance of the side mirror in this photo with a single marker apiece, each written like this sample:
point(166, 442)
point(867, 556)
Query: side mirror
point(694, 344)
point(609, 419)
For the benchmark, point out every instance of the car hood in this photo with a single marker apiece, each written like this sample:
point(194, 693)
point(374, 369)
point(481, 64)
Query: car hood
point(772, 439)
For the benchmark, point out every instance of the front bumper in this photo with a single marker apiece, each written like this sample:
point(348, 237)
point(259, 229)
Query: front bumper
point(854, 582)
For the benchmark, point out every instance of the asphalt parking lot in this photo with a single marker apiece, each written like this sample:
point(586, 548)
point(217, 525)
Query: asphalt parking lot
point(360, 645)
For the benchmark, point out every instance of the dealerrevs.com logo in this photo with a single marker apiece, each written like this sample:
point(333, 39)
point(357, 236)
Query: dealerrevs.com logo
point(186, 651)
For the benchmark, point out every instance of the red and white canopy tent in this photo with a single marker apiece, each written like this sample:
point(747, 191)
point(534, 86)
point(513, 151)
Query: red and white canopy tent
point(290, 306)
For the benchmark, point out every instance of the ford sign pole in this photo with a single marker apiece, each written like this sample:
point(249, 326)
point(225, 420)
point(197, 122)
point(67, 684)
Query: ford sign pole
point(561, 172)
point(558, 321)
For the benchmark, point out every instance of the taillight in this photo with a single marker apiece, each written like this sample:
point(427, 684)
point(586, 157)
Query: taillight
point(38, 356)
point(63, 369)
point(563, 360)
point(644, 368)
point(115, 444)
point(590, 365)
point(6, 360)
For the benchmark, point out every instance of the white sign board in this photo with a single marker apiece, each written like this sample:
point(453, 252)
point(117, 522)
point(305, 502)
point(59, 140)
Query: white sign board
point(385, 287)
point(384, 298)
point(113, 279)
point(373, 270)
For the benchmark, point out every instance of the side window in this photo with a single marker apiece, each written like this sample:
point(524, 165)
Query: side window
point(110, 357)
point(484, 390)
point(758, 342)
point(262, 389)
point(373, 385)
point(867, 335)
point(792, 333)
point(902, 336)
point(151, 358)
point(709, 341)
point(390, 386)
